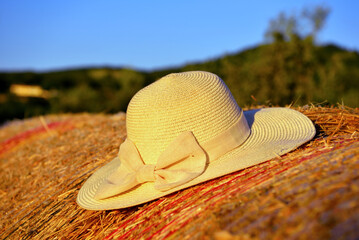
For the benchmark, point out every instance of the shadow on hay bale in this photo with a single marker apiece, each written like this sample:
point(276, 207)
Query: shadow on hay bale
point(312, 192)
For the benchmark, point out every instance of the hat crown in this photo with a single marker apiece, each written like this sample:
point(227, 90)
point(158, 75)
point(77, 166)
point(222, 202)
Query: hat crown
point(191, 101)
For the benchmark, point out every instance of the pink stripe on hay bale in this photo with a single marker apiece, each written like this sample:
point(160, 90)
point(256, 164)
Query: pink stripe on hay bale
point(208, 195)
point(19, 138)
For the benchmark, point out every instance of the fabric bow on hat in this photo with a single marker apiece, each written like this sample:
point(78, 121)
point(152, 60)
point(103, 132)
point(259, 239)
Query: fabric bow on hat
point(182, 161)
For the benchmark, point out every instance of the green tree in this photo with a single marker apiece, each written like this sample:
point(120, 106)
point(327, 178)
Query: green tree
point(292, 56)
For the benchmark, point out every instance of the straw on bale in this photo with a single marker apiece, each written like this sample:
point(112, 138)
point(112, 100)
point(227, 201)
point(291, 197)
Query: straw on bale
point(312, 192)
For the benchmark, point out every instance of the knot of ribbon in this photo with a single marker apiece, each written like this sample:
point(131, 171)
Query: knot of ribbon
point(182, 161)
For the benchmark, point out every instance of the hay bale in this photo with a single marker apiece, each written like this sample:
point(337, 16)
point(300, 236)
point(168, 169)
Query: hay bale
point(312, 192)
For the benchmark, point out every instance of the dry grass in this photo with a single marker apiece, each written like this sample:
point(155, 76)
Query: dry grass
point(312, 192)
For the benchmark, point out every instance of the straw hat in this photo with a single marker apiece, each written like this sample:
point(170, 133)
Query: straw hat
point(184, 129)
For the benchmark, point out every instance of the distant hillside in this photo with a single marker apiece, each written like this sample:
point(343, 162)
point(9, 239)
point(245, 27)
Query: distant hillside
point(280, 73)
point(284, 74)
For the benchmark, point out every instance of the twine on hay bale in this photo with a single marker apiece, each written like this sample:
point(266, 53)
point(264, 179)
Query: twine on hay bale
point(312, 192)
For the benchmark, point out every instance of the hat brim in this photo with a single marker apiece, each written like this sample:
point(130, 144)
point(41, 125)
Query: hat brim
point(274, 132)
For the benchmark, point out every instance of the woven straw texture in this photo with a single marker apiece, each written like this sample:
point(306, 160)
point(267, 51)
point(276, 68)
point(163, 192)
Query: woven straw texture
point(310, 193)
point(177, 102)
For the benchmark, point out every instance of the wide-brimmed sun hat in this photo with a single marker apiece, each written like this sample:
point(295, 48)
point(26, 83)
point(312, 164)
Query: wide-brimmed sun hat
point(184, 129)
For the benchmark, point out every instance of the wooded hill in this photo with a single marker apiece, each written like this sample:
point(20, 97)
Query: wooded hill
point(281, 73)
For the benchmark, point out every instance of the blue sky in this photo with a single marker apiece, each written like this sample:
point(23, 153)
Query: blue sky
point(43, 35)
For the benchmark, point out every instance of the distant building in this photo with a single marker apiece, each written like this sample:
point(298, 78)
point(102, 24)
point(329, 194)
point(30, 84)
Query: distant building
point(23, 90)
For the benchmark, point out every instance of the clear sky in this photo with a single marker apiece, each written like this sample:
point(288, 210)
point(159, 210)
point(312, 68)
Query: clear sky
point(43, 35)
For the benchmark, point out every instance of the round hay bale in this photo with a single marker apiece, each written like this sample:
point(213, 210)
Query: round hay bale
point(312, 192)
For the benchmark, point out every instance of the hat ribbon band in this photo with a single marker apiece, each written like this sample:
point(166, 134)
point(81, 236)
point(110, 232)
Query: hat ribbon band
point(183, 160)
